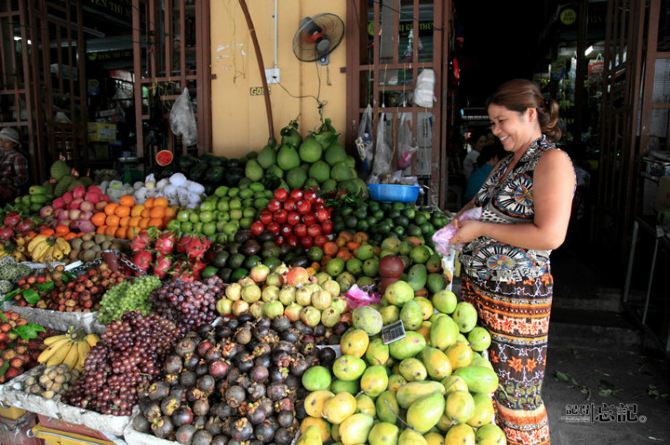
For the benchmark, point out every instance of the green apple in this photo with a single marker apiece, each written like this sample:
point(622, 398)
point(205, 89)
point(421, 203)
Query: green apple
point(183, 215)
point(174, 225)
point(194, 218)
point(230, 228)
point(249, 212)
point(209, 228)
point(223, 216)
point(245, 223)
point(236, 214)
point(186, 226)
point(207, 206)
point(221, 191)
point(222, 205)
point(206, 216)
point(197, 227)
point(220, 225)
point(235, 204)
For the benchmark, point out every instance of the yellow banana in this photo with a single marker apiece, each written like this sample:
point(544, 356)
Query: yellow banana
point(60, 354)
point(48, 254)
point(83, 348)
point(52, 349)
point(57, 254)
point(92, 340)
point(38, 252)
point(35, 242)
point(72, 357)
point(54, 338)
point(63, 245)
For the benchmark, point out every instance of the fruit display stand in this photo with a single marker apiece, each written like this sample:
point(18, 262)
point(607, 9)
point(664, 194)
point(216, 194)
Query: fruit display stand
point(12, 394)
point(18, 431)
point(57, 437)
point(59, 321)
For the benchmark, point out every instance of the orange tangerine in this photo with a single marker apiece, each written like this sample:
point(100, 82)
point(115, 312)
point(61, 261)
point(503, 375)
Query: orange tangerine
point(171, 212)
point(110, 230)
point(101, 230)
point(125, 221)
point(134, 221)
point(122, 211)
point(156, 222)
point(110, 208)
point(144, 223)
point(149, 203)
point(136, 210)
point(145, 212)
point(120, 233)
point(157, 212)
point(112, 220)
point(160, 202)
point(127, 200)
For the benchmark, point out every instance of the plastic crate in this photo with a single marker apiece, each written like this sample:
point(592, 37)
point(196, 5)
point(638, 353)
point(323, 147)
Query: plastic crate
point(394, 192)
point(56, 437)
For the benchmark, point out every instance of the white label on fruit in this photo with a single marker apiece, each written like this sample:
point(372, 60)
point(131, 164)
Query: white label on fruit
point(393, 332)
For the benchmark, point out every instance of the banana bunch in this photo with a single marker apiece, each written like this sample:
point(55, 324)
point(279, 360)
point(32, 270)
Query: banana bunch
point(15, 250)
point(48, 248)
point(70, 349)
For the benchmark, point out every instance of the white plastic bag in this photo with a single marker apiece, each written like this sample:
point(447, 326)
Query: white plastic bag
point(364, 144)
point(383, 154)
point(182, 119)
point(406, 148)
point(425, 86)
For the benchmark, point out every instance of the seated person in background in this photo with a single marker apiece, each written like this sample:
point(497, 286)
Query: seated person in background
point(470, 161)
point(13, 166)
point(489, 156)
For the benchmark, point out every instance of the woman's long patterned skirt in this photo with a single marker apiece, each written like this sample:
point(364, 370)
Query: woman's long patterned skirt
point(517, 316)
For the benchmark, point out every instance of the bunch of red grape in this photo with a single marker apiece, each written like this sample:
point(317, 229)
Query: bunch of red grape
point(125, 361)
point(190, 304)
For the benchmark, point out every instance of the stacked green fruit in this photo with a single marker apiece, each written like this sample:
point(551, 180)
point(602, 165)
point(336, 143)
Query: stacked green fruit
point(223, 214)
point(317, 161)
point(434, 385)
point(381, 219)
point(38, 196)
point(127, 297)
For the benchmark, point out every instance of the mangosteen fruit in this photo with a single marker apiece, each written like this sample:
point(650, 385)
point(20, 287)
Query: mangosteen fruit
point(218, 368)
point(283, 436)
point(169, 405)
point(163, 428)
point(141, 424)
point(206, 384)
point(280, 324)
point(260, 374)
point(158, 390)
point(219, 440)
point(202, 437)
point(326, 356)
point(182, 416)
point(184, 434)
point(173, 364)
point(264, 432)
point(187, 379)
point(243, 336)
point(235, 395)
point(201, 407)
point(285, 418)
point(277, 391)
point(242, 430)
point(185, 346)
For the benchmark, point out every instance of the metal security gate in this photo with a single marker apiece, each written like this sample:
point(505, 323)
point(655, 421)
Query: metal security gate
point(389, 42)
point(171, 43)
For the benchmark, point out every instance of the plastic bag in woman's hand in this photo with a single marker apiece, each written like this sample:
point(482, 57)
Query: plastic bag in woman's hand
point(357, 297)
point(442, 237)
point(182, 119)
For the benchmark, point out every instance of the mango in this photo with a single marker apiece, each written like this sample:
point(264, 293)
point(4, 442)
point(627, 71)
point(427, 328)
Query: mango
point(465, 316)
point(336, 409)
point(354, 342)
point(335, 432)
point(445, 301)
point(387, 407)
point(365, 405)
point(460, 406)
point(390, 314)
point(460, 355)
point(412, 370)
point(483, 413)
point(407, 347)
point(443, 332)
point(383, 433)
point(368, 319)
point(411, 437)
point(395, 382)
point(479, 379)
point(316, 378)
point(479, 339)
point(417, 276)
point(311, 436)
point(339, 386)
point(478, 360)
point(377, 353)
point(399, 293)
point(315, 400)
point(437, 363)
point(462, 434)
point(436, 282)
point(413, 391)
point(454, 383)
point(321, 424)
point(348, 367)
point(424, 414)
point(411, 315)
point(427, 309)
point(355, 429)
point(374, 380)
point(434, 438)
point(490, 434)
point(445, 423)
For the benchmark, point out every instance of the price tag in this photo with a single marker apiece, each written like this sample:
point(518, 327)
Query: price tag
point(393, 332)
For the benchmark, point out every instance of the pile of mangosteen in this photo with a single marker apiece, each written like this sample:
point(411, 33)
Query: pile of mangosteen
point(233, 383)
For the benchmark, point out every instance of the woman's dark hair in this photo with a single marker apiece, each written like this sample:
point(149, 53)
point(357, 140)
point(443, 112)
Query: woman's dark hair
point(521, 94)
point(489, 152)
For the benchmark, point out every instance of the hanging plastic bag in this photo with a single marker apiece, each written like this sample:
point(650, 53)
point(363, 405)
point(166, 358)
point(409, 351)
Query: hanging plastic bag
point(182, 119)
point(406, 148)
point(425, 86)
point(364, 144)
point(383, 155)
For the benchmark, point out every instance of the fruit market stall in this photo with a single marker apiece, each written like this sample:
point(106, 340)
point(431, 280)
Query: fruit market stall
point(267, 299)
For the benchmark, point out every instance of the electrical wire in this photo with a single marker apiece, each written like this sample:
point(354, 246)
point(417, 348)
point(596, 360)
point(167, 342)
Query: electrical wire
point(320, 103)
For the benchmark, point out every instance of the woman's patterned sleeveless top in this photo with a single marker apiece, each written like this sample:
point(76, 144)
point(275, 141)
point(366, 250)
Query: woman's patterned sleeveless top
point(507, 202)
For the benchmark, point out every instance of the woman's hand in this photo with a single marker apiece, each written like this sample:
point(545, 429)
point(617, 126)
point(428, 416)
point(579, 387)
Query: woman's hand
point(467, 231)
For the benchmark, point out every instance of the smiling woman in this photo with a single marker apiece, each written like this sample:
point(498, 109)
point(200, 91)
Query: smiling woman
point(526, 204)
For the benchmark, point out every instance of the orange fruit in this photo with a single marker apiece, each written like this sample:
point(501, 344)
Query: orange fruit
point(123, 222)
point(149, 203)
point(120, 233)
point(157, 212)
point(134, 221)
point(171, 212)
point(112, 220)
point(127, 200)
point(101, 230)
point(110, 230)
point(160, 202)
point(136, 210)
point(131, 232)
point(99, 219)
point(122, 211)
point(145, 212)
point(156, 222)
point(144, 223)
point(110, 208)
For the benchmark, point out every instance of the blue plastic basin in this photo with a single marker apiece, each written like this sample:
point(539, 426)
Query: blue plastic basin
point(394, 192)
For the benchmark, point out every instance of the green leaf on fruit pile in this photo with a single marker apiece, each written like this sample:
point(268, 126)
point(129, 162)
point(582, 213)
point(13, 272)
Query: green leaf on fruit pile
point(4, 368)
point(46, 287)
point(2, 317)
point(31, 296)
point(10, 295)
point(28, 331)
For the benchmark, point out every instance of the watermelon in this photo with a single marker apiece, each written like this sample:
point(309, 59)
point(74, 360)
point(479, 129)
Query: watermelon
point(164, 158)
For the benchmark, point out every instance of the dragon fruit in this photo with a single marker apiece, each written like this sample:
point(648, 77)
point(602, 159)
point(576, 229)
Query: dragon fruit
point(197, 247)
point(182, 244)
point(140, 242)
point(25, 226)
point(142, 260)
point(12, 219)
point(6, 233)
point(162, 265)
point(165, 243)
